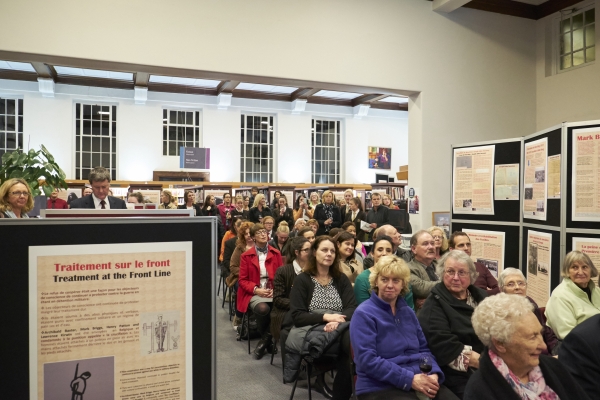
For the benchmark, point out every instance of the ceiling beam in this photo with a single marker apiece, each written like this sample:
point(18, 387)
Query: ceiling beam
point(507, 7)
point(368, 99)
point(303, 93)
point(227, 87)
point(44, 70)
point(447, 6)
point(552, 6)
point(141, 79)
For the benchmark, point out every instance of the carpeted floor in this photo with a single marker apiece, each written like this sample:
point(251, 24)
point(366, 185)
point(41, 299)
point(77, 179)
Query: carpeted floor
point(241, 377)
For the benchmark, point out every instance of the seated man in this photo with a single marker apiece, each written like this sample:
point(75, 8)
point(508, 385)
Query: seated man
point(55, 203)
point(422, 267)
point(389, 230)
point(486, 281)
point(99, 199)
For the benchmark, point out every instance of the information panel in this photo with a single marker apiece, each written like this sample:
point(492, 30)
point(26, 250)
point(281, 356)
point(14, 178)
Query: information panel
point(473, 180)
point(487, 247)
point(591, 247)
point(585, 178)
point(539, 266)
point(536, 167)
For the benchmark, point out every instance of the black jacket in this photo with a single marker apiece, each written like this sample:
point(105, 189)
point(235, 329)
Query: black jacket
point(320, 216)
point(88, 202)
point(380, 217)
point(580, 354)
point(253, 214)
point(227, 253)
point(361, 216)
point(446, 323)
point(288, 216)
point(196, 206)
point(487, 383)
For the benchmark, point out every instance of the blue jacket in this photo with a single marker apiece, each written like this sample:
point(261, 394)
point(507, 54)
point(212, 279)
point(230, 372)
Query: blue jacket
point(387, 348)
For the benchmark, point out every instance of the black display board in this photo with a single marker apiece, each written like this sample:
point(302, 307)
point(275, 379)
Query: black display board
point(553, 205)
point(554, 256)
point(570, 222)
point(17, 236)
point(511, 239)
point(504, 210)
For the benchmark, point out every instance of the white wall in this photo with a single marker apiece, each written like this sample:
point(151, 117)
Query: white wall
point(568, 96)
point(475, 70)
point(50, 121)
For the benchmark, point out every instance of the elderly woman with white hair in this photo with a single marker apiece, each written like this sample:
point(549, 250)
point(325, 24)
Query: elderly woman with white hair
point(512, 281)
point(512, 366)
point(446, 319)
point(576, 298)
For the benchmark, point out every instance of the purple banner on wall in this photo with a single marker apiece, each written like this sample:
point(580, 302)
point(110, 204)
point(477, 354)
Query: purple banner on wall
point(194, 157)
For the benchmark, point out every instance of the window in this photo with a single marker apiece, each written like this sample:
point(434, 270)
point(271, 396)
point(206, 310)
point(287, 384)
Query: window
point(95, 139)
point(180, 128)
point(325, 139)
point(11, 125)
point(577, 39)
point(256, 149)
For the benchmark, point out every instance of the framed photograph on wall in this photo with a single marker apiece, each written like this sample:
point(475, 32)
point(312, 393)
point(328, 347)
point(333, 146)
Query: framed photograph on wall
point(441, 219)
point(380, 157)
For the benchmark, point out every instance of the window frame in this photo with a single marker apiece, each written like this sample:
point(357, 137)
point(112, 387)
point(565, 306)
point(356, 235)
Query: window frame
point(196, 128)
point(271, 139)
point(337, 150)
point(557, 39)
point(19, 124)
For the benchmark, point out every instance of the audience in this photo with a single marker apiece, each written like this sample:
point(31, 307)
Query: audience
point(231, 233)
point(576, 298)
point(327, 214)
point(209, 209)
point(300, 223)
point(136, 198)
point(446, 320)
point(87, 191)
point(441, 242)
point(301, 209)
point(55, 203)
point(246, 203)
point(283, 213)
point(255, 291)
point(269, 222)
point(253, 193)
point(345, 209)
point(314, 200)
point(307, 233)
point(190, 203)
point(313, 224)
point(225, 209)
point(355, 215)
point(349, 263)
point(386, 201)
point(239, 212)
point(244, 243)
point(378, 215)
point(350, 228)
point(167, 201)
point(512, 366)
point(485, 280)
point(15, 199)
point(275, 202)
point(512, 281)
point(388, 343)
point(422, 267)
point(259, 209)
point(281, 238)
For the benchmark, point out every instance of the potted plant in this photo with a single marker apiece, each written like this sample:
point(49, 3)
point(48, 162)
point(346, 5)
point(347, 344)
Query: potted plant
point(32, 166)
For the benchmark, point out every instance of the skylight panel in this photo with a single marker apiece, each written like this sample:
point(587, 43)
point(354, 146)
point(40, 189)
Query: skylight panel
point(16, 66)
point(394, 99)
point(175, 80)
point(257, 87)
point(93, 73)
point(330, 94)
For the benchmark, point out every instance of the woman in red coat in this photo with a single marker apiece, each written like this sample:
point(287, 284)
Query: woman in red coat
point(257, 271)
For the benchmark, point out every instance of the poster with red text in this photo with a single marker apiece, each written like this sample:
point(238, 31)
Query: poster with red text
point(111, 321)
point(586, 176)
point(539, 263)
point(591, 247)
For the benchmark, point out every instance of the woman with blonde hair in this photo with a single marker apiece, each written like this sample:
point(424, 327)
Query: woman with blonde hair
point(167, 201)
point(15, 199)
point(314, 200)
point(281, 237)
point(440, 239)
point(259, 209)
point(386, 200)
point(327, 214)
point(389, 345)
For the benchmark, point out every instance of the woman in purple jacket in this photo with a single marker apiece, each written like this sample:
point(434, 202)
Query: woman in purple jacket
point(389, 345)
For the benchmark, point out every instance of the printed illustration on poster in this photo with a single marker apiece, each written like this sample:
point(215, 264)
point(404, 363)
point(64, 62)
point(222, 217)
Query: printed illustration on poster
point(554, 177)
point(585, 180)
point(534, 179)
point(591, 247)
point(441, 219)
point(110, 321)
point(487, 247)
point(473, 180)
point(539, 266)
point(506, 182)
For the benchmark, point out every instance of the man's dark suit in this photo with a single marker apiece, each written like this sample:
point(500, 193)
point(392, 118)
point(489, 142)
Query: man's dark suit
point(88, 202)
point(580, 353)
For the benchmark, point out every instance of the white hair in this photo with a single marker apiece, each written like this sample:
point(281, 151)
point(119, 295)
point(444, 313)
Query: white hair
point(496, 317)
point(460, 257)
point(506, 273)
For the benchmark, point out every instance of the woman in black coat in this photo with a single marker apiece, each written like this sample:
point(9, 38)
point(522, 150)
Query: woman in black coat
point(259, 210)
point(355, 215)
point(283, 213)
point(327, 214)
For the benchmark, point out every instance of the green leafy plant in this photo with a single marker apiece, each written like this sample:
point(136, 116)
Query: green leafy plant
point(33, 166)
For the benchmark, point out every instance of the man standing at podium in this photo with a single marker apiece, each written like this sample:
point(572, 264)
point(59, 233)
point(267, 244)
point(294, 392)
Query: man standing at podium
point(99, 199)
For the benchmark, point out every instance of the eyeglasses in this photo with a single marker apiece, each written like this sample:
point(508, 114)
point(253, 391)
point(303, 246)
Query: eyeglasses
point(437, 237)
point(261, 232)
point(451, 273)
point(514, 284)
point(19, 194)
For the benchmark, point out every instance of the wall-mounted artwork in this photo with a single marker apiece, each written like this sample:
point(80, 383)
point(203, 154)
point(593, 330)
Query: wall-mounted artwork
point(380, 157)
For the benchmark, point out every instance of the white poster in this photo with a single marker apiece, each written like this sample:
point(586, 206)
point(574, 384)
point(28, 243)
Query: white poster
point(585, 180)
point(473, 180)
point(554, 177)
point(487, 247)
point(591, 247)
point(534, 179)
point(506, 180)
point(539, 266)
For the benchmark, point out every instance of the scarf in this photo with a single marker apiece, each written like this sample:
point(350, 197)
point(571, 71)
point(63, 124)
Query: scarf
point(263, 250)
point(328, 208)
point(13, 215)
point(535, 389)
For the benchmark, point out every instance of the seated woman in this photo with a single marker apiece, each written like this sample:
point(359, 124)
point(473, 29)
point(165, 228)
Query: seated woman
point(576, 298)
point(512, 281)
point(387, 201)
point(209, 209)
point(15, 199)
point(356, 215)
point(298, 225)
point(238, 212)
point(307, 233)
point(302, 210)
point(388, 343)
point(512, 366)
point(298, 252)
point(446, 320)
point(259, 209)
point(350, 228)
point(231, 233)
point(138, 198)
point(327, 214)
point(167, 201)
point(255, 291)
point(283, 213)
point(281, 238)
point(323, 286)
point(190, 203)
point(243, 244)
point(349, 263)
point(312, 223)
point(440, 239)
